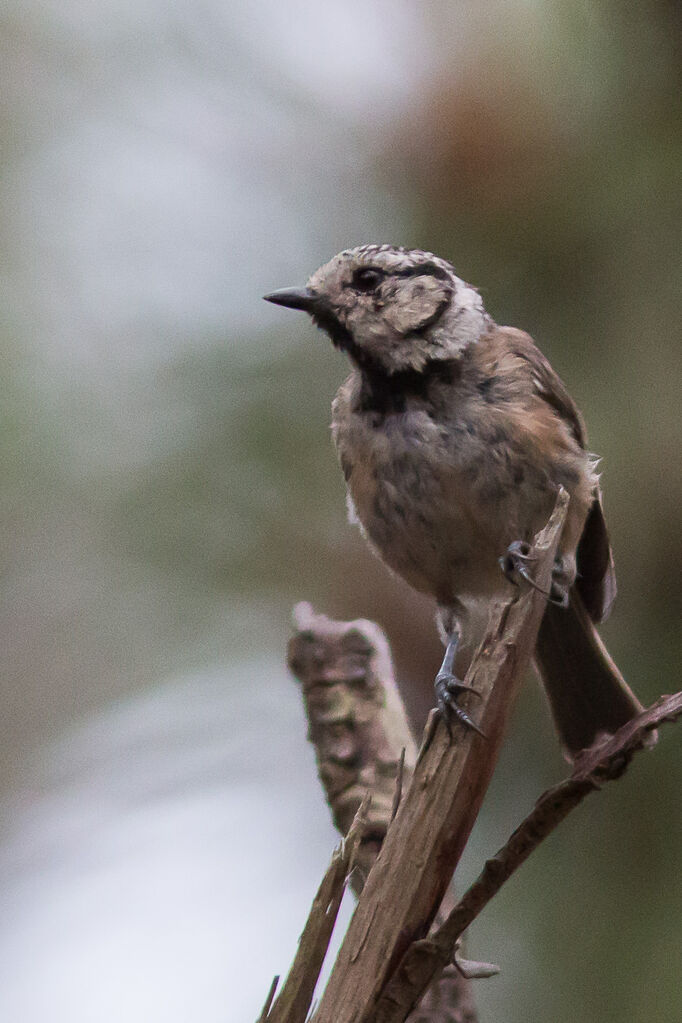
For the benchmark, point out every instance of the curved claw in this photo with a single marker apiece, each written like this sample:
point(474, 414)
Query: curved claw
point(519, 550)
point(563, 577)
point(447, 687)
point(512, 564)
point(525, 574)
point(452, 685)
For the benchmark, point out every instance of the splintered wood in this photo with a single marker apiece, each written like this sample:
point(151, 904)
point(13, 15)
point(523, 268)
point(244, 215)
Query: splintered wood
point(427, 837)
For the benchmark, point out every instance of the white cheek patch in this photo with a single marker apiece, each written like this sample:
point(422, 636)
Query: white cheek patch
point(471, 318)
point(463, 323)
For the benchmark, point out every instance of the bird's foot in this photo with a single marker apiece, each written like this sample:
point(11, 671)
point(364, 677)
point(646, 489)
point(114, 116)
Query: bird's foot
point(563, 577)
point(514, 563)
point(448, 687)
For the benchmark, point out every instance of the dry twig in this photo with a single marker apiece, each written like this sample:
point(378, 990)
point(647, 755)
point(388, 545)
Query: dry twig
point(387, 963)
point(601, 763)
point(293, 1002)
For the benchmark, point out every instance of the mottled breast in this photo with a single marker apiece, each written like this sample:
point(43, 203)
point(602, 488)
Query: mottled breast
point(446, 469)
point(404, 477)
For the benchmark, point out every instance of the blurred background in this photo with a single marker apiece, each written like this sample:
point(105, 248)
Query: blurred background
point(170, 490)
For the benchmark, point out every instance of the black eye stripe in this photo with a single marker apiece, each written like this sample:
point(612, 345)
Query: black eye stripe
point(423, 270)
point(367, 278)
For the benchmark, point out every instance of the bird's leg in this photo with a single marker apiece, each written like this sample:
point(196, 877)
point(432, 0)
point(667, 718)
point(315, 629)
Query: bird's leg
point(514, 564)
point(448, 686)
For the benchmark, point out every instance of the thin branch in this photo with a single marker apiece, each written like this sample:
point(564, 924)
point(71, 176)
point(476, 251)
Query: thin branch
point(269, 999)
point(604, 762)
point(294, 999)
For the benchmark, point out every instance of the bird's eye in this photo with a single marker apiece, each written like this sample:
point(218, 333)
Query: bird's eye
point(367, 279)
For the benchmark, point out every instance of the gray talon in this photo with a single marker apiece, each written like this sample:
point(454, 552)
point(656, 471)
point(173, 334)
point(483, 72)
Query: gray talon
point(513, 564)
point(447, 687)
point(562, 580)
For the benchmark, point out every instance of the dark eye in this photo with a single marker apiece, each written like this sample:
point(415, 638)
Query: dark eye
point(367, 278)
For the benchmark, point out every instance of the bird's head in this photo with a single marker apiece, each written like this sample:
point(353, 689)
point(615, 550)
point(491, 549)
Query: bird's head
point(390, 309)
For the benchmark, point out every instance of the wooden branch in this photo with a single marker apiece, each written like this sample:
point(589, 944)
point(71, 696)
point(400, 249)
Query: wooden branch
point(433, 823)
point(268, 1000)
point(357, 723)
point(294, 1000)
point(339, 667)
point(601, 763)
point(363, 742)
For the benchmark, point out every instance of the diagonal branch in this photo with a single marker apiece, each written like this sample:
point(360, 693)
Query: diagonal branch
point(387, 962)
point(362, 742)
point(293, 1002)
point(601, 763)
point(435, 818)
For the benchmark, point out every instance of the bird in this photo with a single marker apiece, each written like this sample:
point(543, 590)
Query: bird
point(455, 436)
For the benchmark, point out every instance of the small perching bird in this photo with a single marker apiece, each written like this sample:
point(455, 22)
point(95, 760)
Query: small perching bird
point(454, 436)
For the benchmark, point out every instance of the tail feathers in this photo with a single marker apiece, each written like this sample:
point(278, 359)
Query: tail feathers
point(587, 693)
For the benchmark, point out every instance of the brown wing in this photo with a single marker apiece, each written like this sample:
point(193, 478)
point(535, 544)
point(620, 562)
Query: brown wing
point(596, 579)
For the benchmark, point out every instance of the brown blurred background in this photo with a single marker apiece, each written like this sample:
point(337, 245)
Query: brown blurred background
point(169, 487)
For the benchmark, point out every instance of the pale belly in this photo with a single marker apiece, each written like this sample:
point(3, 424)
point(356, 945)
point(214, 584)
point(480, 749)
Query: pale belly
point(436, 519)
point(439, 554)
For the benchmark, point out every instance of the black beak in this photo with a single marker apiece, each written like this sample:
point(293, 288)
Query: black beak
point(293, 298)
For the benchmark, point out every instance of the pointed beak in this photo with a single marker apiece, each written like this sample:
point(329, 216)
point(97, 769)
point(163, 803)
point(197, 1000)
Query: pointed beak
point(293, 298)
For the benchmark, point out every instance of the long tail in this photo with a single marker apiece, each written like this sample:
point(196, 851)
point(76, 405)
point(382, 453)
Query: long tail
point(586, 691)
